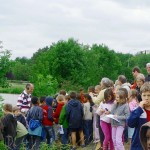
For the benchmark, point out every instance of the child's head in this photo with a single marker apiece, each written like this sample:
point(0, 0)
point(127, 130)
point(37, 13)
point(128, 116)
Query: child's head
point(108, 95)
point(125, 91)
point(49, 100)
point(62, 92)
point(34, 101)
point(87, 98)
point(42, 100)
point(145, 93)
point(73, 95)
point(91, 89)
point(7, 108)
point(16, 111)
point(145, 136)
point(81, 91)
point(120, 97)
point(60, 98)
point(97, 89)
point(133, 94)
point(67, 98)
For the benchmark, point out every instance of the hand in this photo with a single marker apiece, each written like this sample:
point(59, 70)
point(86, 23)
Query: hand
point(102, 110)
point(143, 103)
point(107, 112)
point(115, 116)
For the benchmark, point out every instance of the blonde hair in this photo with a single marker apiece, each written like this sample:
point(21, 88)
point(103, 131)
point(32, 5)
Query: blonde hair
point(145, 87)
point(60, 98)
point(15, 108)
point(140, 77)
point(7, 107)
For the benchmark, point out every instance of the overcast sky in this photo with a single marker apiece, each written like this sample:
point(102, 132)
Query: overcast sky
point(27, 25)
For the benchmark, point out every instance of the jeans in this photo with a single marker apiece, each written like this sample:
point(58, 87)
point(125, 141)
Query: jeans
point(88, 130)
point(9, 142)
point(65, 136)
point(106, 127)
point(19, 142)
point(117, 133)
point(49, 134)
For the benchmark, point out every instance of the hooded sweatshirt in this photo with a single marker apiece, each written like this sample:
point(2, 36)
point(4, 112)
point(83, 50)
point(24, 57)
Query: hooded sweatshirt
point(74, 113)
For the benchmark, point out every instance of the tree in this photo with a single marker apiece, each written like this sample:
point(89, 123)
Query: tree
point(4, 67)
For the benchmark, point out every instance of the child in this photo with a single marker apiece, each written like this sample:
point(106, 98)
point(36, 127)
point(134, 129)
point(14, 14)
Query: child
point(120, 112)
point(103, 110)
point(64, 122)
point(132, 105)
point(10, 125)
point(34, 119)
point(87, 119)
point(145, 136)
point(139, 116)
point(60, 101)
point(48, 119)
point(18, 115)
point(74, 111)
point(42, 101)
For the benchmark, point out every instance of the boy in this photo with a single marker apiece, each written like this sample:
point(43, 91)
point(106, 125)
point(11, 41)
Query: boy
point(74, 113)
point(10, 125)
point(139, 116)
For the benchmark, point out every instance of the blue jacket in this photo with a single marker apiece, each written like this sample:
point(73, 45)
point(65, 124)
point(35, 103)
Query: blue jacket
point(74, 113)
point(136, 119)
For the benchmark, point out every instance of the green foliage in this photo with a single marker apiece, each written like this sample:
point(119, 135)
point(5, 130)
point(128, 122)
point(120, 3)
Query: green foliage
point(4, 67)
point(44, 85)
point(3, 146)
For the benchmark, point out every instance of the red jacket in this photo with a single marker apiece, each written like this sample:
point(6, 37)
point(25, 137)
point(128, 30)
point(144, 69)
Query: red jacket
point(46, 121)
point(57, 112)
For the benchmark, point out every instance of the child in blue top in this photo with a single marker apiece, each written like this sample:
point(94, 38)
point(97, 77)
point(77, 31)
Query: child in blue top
point(139, 116)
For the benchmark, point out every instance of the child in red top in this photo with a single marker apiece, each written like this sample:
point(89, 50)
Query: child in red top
point(60, 100)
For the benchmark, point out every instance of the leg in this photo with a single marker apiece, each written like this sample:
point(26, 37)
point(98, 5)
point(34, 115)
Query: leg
point(73, 138)
point(64, 137)
point(119, 133)
point(114, 130)
point(81, 137)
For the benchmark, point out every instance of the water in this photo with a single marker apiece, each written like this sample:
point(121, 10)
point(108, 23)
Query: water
point(10, 98)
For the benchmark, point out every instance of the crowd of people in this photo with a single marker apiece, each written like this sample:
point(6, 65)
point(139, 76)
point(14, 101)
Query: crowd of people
point(109, 114)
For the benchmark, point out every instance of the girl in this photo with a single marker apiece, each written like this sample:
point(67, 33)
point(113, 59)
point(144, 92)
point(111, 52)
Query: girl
point(88, 129)
point(120, 112)
point(103, 110)
point(132, 105)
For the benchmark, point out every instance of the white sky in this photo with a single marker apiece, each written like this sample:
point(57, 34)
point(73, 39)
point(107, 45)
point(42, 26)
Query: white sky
point(27, 25)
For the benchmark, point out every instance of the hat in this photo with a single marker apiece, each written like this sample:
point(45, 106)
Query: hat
point(148, 65)
point(49, 100)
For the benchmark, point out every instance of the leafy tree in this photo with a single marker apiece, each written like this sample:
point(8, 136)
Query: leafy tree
point(4, 67)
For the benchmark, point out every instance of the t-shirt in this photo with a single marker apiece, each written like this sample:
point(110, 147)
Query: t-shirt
point(148, 114)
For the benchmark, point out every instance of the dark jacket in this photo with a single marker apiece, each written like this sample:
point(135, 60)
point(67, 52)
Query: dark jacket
point(136, 119)
point(10, 125)
point(1, 130)
point(147, 78)
point(143, 132)
point(74, 113)
point(21, 119)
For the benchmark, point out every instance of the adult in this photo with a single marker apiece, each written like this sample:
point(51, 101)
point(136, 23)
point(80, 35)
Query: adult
point(123, 82)
point(24, 99)
point(147, 78)
point(135, 71)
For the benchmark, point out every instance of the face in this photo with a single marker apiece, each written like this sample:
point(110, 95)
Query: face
point(97, 90)
point(117, 98)
point(135, 73)
point(146, 97)
point(30, 90)
point(139, 82)
point(148, 139)
point(148, 69)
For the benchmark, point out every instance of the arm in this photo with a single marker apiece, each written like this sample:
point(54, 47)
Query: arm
point(62, 115)
point(68, 110)
point(50, 114)
point(99, 98)
point(40, 114)
point(20, 101)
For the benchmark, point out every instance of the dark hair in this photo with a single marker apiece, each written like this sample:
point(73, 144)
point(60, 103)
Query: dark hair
point(34, 100)
point(108, 92)
point(87, 96)
point(136, 68)
point(91, 89)
point(73, 95)
point(122, 79)
point(62, 92)
point(42, 99)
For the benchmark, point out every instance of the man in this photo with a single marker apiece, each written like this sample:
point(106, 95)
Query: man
point(24, 99)
point(135, 71)
point(147, 78)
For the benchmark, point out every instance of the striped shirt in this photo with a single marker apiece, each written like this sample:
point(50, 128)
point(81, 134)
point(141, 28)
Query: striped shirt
point(24, 101)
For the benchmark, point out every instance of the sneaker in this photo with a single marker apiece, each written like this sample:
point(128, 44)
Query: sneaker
point(73, 148)
point(83, 145)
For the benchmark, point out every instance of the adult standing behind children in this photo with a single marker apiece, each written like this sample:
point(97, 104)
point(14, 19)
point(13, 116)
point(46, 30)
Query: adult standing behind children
point(24, 99)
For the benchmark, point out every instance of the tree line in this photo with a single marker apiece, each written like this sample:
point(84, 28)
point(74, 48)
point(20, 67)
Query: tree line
point(71, 65)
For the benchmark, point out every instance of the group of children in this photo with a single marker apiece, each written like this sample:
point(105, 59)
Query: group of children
point(79, 119)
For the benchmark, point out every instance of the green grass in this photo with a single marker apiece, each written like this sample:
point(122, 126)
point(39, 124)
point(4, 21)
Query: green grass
point(14, 88)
